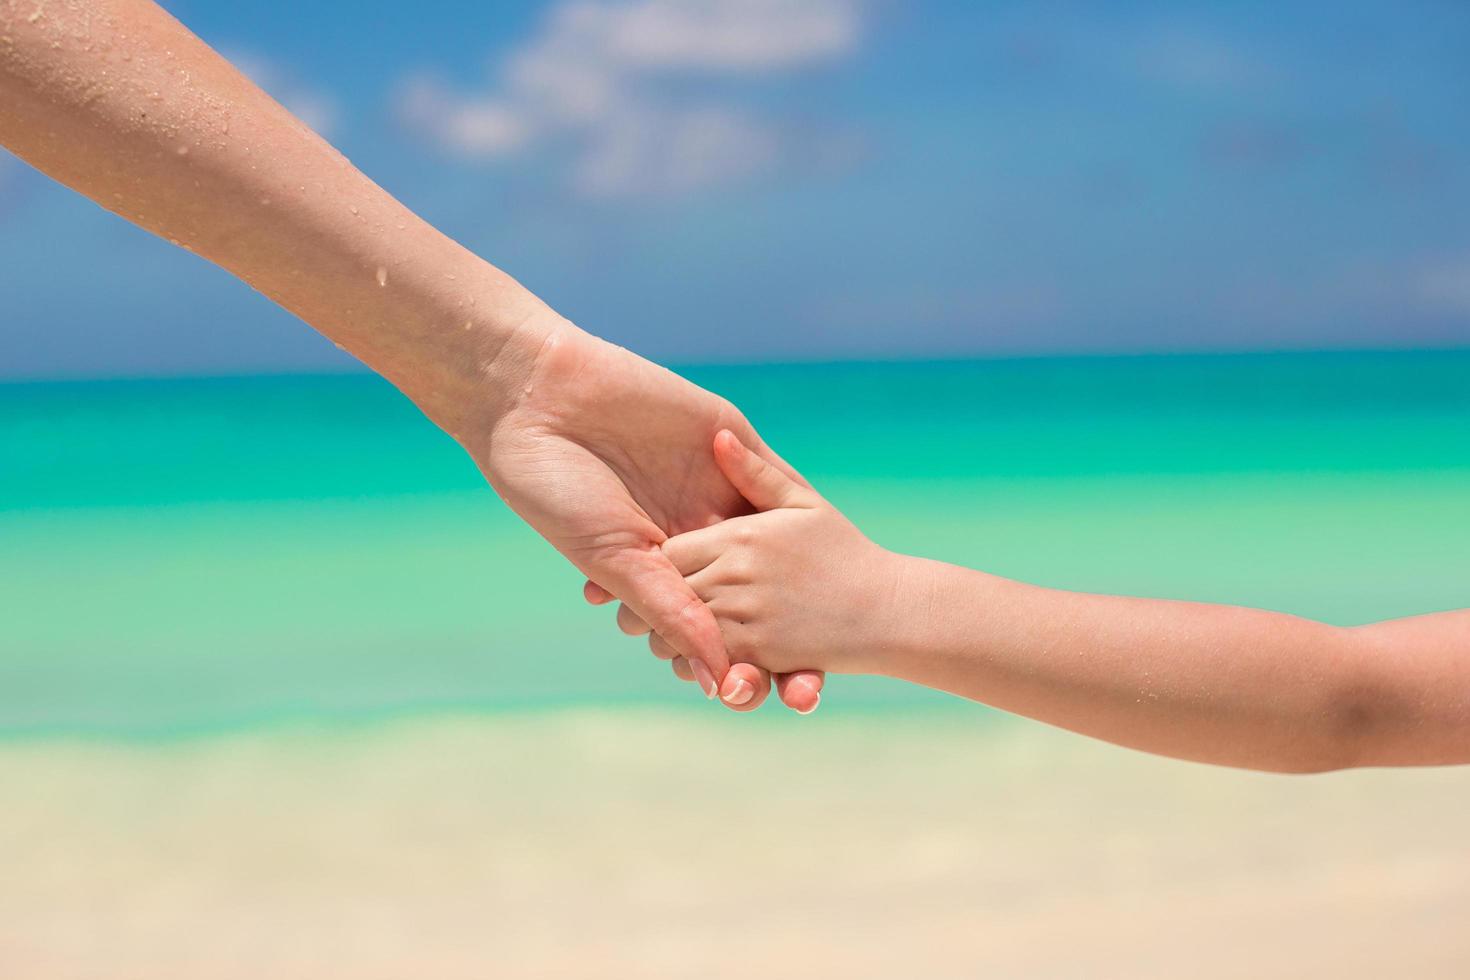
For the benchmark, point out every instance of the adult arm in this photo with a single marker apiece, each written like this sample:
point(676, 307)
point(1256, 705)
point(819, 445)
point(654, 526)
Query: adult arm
point(601, 451)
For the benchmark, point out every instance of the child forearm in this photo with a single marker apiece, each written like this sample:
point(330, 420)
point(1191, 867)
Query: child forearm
point(796, 584)
point(1219, 684)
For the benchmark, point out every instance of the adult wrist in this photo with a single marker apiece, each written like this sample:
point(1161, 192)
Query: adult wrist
point(474, 353)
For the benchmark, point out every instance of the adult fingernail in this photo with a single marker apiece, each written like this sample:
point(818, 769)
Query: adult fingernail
point(815, 705)
point(740, 691)
point(705, 679)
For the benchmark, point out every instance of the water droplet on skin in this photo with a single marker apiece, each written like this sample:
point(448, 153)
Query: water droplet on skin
point(401, 226)
point(352, 208)
point(449, 275)
point(469, 324)
point(382, 276)
point(182, 151)
point(265, 202)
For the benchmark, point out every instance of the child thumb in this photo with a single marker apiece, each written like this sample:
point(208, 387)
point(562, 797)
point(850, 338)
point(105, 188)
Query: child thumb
point(763, 485)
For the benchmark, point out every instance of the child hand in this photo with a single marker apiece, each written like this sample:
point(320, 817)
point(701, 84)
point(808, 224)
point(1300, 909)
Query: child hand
point(793, 587)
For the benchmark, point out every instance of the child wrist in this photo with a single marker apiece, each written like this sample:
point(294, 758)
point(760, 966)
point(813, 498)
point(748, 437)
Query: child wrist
point(889, 618)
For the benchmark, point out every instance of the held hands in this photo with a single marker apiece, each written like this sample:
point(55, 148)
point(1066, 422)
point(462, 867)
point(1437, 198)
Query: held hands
point(607, 455)
point(793, 586)
point(603, 453)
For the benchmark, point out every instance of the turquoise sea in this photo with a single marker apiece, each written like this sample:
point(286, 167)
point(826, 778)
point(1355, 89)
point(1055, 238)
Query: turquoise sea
point(192, 554)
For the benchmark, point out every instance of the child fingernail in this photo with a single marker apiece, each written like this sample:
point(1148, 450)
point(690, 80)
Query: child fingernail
point(816, 703)
point(704, 678)
point(740, 691)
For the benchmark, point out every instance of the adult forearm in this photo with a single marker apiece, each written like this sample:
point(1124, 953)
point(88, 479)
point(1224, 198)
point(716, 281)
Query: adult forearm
point(119, 101)
point(1228, 685)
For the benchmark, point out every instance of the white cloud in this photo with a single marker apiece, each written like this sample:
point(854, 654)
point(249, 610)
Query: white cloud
point(612, 80)
point(469, 127)
point(312, 106)
point(675, 152)
point(1200, 59)
point(729, 35)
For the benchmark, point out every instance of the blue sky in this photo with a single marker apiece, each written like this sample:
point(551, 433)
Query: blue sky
point(749, 180)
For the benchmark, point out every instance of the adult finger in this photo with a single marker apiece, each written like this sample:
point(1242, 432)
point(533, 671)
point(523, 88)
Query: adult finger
point(649, 584)
point(801, 690)
point(746, 687)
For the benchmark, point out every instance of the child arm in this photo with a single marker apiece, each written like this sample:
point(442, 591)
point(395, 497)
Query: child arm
point(1221, 684)
point(798, 585)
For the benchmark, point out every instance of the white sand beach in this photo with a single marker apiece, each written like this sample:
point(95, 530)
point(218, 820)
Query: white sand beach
point(649, 844)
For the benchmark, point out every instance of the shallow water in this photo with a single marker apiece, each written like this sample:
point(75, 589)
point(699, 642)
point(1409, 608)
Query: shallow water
point(297, 558)
point(178, 555)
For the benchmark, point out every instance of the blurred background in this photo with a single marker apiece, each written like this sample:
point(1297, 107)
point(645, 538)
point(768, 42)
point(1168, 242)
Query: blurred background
point(1161, 299)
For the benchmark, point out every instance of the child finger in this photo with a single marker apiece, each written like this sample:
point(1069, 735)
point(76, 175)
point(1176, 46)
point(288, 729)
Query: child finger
point(639, 626)
point(760, 482)
point(596, 594)
point(661, 649)
point(693, 550)
point(801, 690)
point(630, 622)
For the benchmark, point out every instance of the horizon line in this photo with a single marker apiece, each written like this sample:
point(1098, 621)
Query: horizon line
point(359, 370)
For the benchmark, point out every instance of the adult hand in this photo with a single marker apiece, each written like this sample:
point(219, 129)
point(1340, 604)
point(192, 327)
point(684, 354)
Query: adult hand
point(607, 455)
point(602, 452)
point(745, 687)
